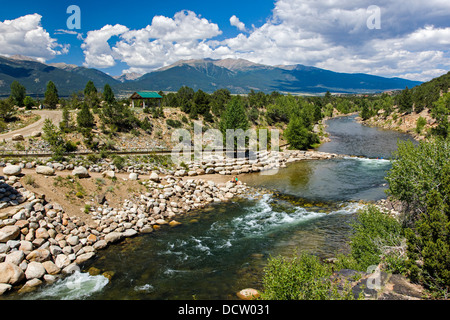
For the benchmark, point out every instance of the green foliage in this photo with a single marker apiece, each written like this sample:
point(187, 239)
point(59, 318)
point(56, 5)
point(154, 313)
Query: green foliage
point(405, 101)
point(65, 125)
point(417, 171)
point(85, 118)
point(146, 125)
point(420, 124)
point(51, 95)
point(441, 111)
point(119, 117)
point(55, 138)
point(429, 242)
point(184, 98)
point(420, 178)
point(365, 110)
point(303, 277)
point(298, 135)
point(375, 232)
point(91, 95)
point(90, 88)
point(108, 94)
point(7, 109)
point(200, 103)
point(234, 116)
point(219, 100)
point(118, 162)
point(29, 102)
point(18, 93)
point(174, 123)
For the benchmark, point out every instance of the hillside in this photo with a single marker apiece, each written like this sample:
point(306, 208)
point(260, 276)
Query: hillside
point(420, 103)
point(240, 76)
point(35, 75)
point(237, 75)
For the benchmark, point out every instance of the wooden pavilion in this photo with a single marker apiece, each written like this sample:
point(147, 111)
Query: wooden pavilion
point(146, 97)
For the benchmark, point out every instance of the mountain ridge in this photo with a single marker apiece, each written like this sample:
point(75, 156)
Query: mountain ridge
point(239, 76)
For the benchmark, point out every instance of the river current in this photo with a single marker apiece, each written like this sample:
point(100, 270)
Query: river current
point(223, 248)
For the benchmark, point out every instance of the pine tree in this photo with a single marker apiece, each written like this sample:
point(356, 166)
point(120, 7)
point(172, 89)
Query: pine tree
point(108, 94)
point(18, 93)
point(51, 95)
point(234, 116)
point(85, 119)
point(405, 103)
point(298, 135)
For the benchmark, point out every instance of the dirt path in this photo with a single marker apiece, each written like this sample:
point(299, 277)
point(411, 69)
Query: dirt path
point(54, 115)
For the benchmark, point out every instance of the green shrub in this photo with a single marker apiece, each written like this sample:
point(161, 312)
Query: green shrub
point(429, 246)
point(118, 162)
point(416, 171)
point(303, 277)
point(375, 232)
point(174, 123)
point(420, 124)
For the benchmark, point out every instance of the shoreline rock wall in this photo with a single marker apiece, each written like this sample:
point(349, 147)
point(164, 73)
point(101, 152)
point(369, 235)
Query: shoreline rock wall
point(39, 242)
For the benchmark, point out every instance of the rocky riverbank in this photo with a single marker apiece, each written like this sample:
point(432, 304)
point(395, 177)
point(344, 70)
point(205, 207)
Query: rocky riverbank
point(40, 242)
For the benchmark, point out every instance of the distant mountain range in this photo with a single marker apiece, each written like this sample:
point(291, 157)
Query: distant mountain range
point(237, 75)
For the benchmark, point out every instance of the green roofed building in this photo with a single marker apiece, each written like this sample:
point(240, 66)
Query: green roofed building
point(146, 97)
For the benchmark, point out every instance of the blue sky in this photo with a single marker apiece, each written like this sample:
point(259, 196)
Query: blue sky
point(383, 37)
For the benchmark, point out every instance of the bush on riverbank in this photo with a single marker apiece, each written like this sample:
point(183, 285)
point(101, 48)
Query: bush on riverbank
point(378, 238)
point(302, 278)
point(420, 179)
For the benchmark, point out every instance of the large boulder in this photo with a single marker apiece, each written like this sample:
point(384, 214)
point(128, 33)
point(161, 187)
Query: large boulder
point(154, 177)
point(84, 257)
point(15, 257)
point(248, 294)
point(9, 233)
point(133, 176)
point(4, 287)
point(113, 237)
point(10, 273)
point(17, 137)
point(80, 172)
point(12, 170)
point(39, 255)
point(35, 270)
point(45, 170)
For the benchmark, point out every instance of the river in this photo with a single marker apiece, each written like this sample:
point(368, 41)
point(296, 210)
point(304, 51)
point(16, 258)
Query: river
point(222, 249)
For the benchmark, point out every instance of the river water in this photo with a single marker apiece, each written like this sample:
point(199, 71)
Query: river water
point(223, 248)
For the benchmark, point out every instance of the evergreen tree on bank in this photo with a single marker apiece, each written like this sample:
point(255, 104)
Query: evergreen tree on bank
point(51, 95)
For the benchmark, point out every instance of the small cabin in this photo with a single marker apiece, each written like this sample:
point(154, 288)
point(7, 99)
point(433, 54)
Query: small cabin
point(147, 98)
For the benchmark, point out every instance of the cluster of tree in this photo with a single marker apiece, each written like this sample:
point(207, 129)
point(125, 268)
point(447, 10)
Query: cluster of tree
point(420, 179)
point(433, 95)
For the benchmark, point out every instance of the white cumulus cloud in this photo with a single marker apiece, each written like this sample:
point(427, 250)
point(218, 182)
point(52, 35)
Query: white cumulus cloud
point(235, 22)
point(413, 41)
point(26, 36)
point(164, 41)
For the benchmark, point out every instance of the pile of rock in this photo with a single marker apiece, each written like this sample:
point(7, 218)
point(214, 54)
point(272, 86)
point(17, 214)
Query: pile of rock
point(10, 187)
point(167, 198)
point(261, 161)
point(39, 242)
